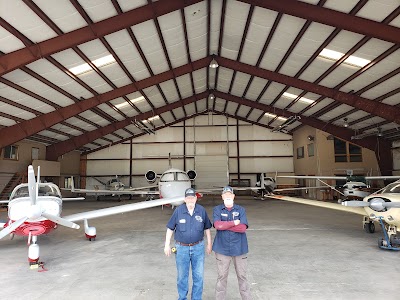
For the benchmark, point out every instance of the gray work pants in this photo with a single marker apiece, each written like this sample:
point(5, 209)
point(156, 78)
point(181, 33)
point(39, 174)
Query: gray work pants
point(223, 263)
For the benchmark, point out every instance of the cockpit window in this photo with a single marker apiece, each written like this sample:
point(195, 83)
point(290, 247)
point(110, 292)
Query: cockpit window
point(167, 177)
point(182, 176)
point(392, 188)
point(45, 189)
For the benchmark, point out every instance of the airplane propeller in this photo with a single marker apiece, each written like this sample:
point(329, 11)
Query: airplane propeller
point(35, 211)
point(9, 229)
point(377, 204)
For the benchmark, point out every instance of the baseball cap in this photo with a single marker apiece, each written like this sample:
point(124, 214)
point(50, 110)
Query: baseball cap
point(190, 192)
point(227, 189)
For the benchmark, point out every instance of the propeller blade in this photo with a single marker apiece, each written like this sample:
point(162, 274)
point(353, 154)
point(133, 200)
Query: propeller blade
point(356, 203)
point(9, 229)
point(32, 185)
point(61, 221)
point(391, 204)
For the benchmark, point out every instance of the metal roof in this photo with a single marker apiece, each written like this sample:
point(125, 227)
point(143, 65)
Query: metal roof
point(162, 51)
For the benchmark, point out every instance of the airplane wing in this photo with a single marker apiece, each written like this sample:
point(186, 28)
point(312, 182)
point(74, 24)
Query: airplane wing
point(131, 191)
point(381, 177)
point(121, 209)
point(355, 210)
point(313, 177)
point(73, 199)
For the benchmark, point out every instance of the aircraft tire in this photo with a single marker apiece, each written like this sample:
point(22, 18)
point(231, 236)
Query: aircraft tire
point(369, 227)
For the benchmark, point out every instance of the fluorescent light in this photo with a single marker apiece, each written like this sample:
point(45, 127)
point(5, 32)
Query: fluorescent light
point(100, 62)
point(134, 101)
point(274, 116)
point(153, 118)
point(351, 60)
point(302, 99)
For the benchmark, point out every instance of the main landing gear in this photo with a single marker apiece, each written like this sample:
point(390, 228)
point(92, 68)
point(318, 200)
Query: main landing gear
point(390, 241)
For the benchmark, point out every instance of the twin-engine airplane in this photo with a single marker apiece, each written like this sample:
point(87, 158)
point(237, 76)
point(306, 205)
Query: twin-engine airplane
point(381, 207)
point(34, 208)
point(356, 187)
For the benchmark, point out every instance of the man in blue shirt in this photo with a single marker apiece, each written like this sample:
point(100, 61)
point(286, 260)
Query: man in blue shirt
point(230, 243)
point(189, 221)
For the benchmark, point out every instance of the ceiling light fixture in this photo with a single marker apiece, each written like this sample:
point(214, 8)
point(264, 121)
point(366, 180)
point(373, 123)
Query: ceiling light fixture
point(269, 115)
point(302, 99)
point(211, 96)
point(345, 124)
point(100, 62)
point(213, 64)
point(351, 60)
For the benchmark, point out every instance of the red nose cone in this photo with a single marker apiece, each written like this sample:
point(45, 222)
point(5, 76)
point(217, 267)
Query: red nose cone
point(199, 195)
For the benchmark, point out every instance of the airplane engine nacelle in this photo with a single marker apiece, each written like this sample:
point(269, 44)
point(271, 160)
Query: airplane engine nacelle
point(192, 174)
point(151, 176)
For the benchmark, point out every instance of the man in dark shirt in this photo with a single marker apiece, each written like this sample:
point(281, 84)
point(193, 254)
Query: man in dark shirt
point(189, 221)
point(230, 243)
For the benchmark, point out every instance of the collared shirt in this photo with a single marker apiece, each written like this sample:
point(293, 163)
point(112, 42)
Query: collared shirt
point(189, 228)
point(227, 242)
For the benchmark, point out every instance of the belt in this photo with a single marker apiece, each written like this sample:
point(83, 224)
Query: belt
point(191, 244)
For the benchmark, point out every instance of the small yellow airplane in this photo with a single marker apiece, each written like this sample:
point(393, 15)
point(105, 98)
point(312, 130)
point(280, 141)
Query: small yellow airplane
point(381, 206)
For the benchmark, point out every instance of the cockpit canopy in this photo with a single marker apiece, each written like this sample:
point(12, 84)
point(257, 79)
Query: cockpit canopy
point(45, 189)
point(392, 188)
point(174, 176)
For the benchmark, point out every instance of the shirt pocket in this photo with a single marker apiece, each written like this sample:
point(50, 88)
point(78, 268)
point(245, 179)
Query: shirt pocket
point(181, 226)
point(199, 226)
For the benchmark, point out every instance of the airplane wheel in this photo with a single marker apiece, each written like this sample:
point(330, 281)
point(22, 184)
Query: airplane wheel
point(382, 242)
point(369, 227)
point(91, 239)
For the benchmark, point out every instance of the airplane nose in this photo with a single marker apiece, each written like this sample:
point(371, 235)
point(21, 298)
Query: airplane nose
point(34, 212)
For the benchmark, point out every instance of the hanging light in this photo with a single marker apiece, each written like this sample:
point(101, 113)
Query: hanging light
point(213, 64)
point(345, 124)
point(211, 96)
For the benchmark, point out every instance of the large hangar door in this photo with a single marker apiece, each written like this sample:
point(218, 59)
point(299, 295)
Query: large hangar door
point(212, 171)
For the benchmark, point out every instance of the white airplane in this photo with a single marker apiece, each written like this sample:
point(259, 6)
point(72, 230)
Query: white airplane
point(356, 187)
point(34, 208)
point(380, 206)
point(267, 185)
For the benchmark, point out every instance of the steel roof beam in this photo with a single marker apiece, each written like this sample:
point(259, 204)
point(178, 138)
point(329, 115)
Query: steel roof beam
point(19, 131)
point(22, 57)
point(58, 149)
point(332, 18)
point(380, 146)
point(388, 112)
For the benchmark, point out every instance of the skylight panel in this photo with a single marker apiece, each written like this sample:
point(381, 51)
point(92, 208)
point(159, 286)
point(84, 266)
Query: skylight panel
point(274, 116)
point(133, 101)
point(302, 99)
point(351, 60)
point(100, 62)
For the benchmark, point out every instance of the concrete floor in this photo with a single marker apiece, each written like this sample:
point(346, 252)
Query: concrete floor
point(296, 252)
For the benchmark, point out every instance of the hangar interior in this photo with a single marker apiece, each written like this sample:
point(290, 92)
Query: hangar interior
point(229, 88)
point(86, 77)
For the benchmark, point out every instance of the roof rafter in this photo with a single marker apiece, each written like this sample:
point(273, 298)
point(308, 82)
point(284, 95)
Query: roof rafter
point(332, 18)
point(22, 57)
point(388, 112)
point(55, 150)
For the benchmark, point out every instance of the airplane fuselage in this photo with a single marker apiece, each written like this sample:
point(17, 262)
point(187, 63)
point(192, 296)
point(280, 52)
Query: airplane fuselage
point(20, 205)
point(173, 183)
point(353, 189)
point(390, 215)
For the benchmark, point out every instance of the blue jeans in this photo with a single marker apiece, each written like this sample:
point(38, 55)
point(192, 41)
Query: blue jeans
point(186, 255)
